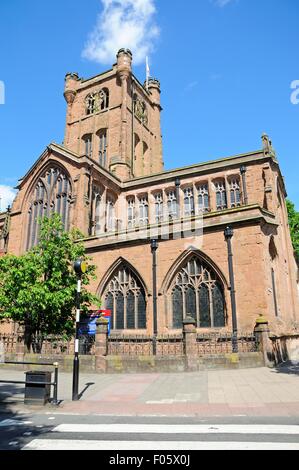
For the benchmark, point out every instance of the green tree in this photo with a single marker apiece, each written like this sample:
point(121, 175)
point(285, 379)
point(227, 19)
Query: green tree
point(37, 289)
point(294, 226)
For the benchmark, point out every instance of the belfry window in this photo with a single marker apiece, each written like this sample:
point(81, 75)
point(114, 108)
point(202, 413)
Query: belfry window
point(198, 292)
point(96, 102)
point(52, 194)
point(125, 297)
point(104, 99)
point(90, 104)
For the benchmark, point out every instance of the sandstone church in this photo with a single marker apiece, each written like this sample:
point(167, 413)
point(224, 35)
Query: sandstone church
point(108, 180)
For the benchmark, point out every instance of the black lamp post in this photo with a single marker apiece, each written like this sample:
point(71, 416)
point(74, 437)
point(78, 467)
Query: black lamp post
point(80, 268)
point(154, 247)
point(228, 233)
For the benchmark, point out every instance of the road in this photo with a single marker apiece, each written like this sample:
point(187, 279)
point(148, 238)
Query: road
point(56, 431)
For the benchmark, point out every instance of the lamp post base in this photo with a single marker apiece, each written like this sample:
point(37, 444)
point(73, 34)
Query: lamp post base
point(75, 396)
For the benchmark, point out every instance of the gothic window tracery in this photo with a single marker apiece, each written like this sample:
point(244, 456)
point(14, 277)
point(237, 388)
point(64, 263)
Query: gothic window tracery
point(140, 110)
point(143, 210)
point(172, 204)
point(235, 193)
point(52, 194)
point(97, 101)
point(197, 291)
point(125, 297)
point(97, 207)
point(159, 207)
point(131, 212)
point(188, 201)
point(221, 199)
point(203, 197)
point(110, 208)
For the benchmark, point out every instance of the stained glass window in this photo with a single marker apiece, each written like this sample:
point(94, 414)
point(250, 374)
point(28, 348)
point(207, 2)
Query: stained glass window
point(52, 194)
point(196, 291)
point(125, 297)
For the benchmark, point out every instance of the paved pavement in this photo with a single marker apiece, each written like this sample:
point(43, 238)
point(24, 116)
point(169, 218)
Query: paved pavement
point(242, 392)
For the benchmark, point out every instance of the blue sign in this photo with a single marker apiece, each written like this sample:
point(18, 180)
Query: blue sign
point(89, 326)
point(92, 326)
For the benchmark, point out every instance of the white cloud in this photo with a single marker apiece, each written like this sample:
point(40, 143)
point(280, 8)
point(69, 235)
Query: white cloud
point(7, 195)
point(123, 23)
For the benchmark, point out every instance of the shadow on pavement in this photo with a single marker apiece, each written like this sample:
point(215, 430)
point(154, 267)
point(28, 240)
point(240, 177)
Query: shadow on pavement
point(288, 367)
point(16, 427)
point(87, 385)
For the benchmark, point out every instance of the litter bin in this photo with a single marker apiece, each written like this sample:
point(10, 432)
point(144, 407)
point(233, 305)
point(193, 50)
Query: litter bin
point(39, 393)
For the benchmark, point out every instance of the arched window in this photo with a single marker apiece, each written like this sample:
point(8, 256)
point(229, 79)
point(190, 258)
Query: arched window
point(221, 199)
point(87, 139)
point(159, 207)
point(52, 193)
point(90, 103)
point(131, 211)
point(97, 222)
point(125, 297)
point(143, 210)
point(98, 101)
point(102, 135)
point(104, 99)
point(172, 204)
point(188, 202)
point(110, 214)
point(203, 197)
point(235, 193)
point(197, 291)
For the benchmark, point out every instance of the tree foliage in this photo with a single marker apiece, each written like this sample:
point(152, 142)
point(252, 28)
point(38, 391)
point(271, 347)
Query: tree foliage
point(38, 288)
point(294, 226)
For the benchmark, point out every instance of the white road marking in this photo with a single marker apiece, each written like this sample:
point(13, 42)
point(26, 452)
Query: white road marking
point(48, 444)
point(178, 429)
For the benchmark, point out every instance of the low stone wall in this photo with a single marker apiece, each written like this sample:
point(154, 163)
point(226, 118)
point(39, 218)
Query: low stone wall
point(144, 364)
point(119, 364)
point(87, 363)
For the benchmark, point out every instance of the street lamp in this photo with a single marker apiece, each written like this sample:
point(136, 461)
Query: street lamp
point(80, 268)
point(228, 233)
point(154, 247)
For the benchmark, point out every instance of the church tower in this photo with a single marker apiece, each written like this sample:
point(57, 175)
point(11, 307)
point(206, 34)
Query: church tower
point(115, 120)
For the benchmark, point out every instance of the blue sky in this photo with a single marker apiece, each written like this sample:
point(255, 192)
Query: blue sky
point(225, 66)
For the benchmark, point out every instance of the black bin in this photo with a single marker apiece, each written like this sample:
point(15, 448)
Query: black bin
point(39, 393)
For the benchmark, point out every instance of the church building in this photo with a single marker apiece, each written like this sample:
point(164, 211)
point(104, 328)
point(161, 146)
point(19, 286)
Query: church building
point(108, 180)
